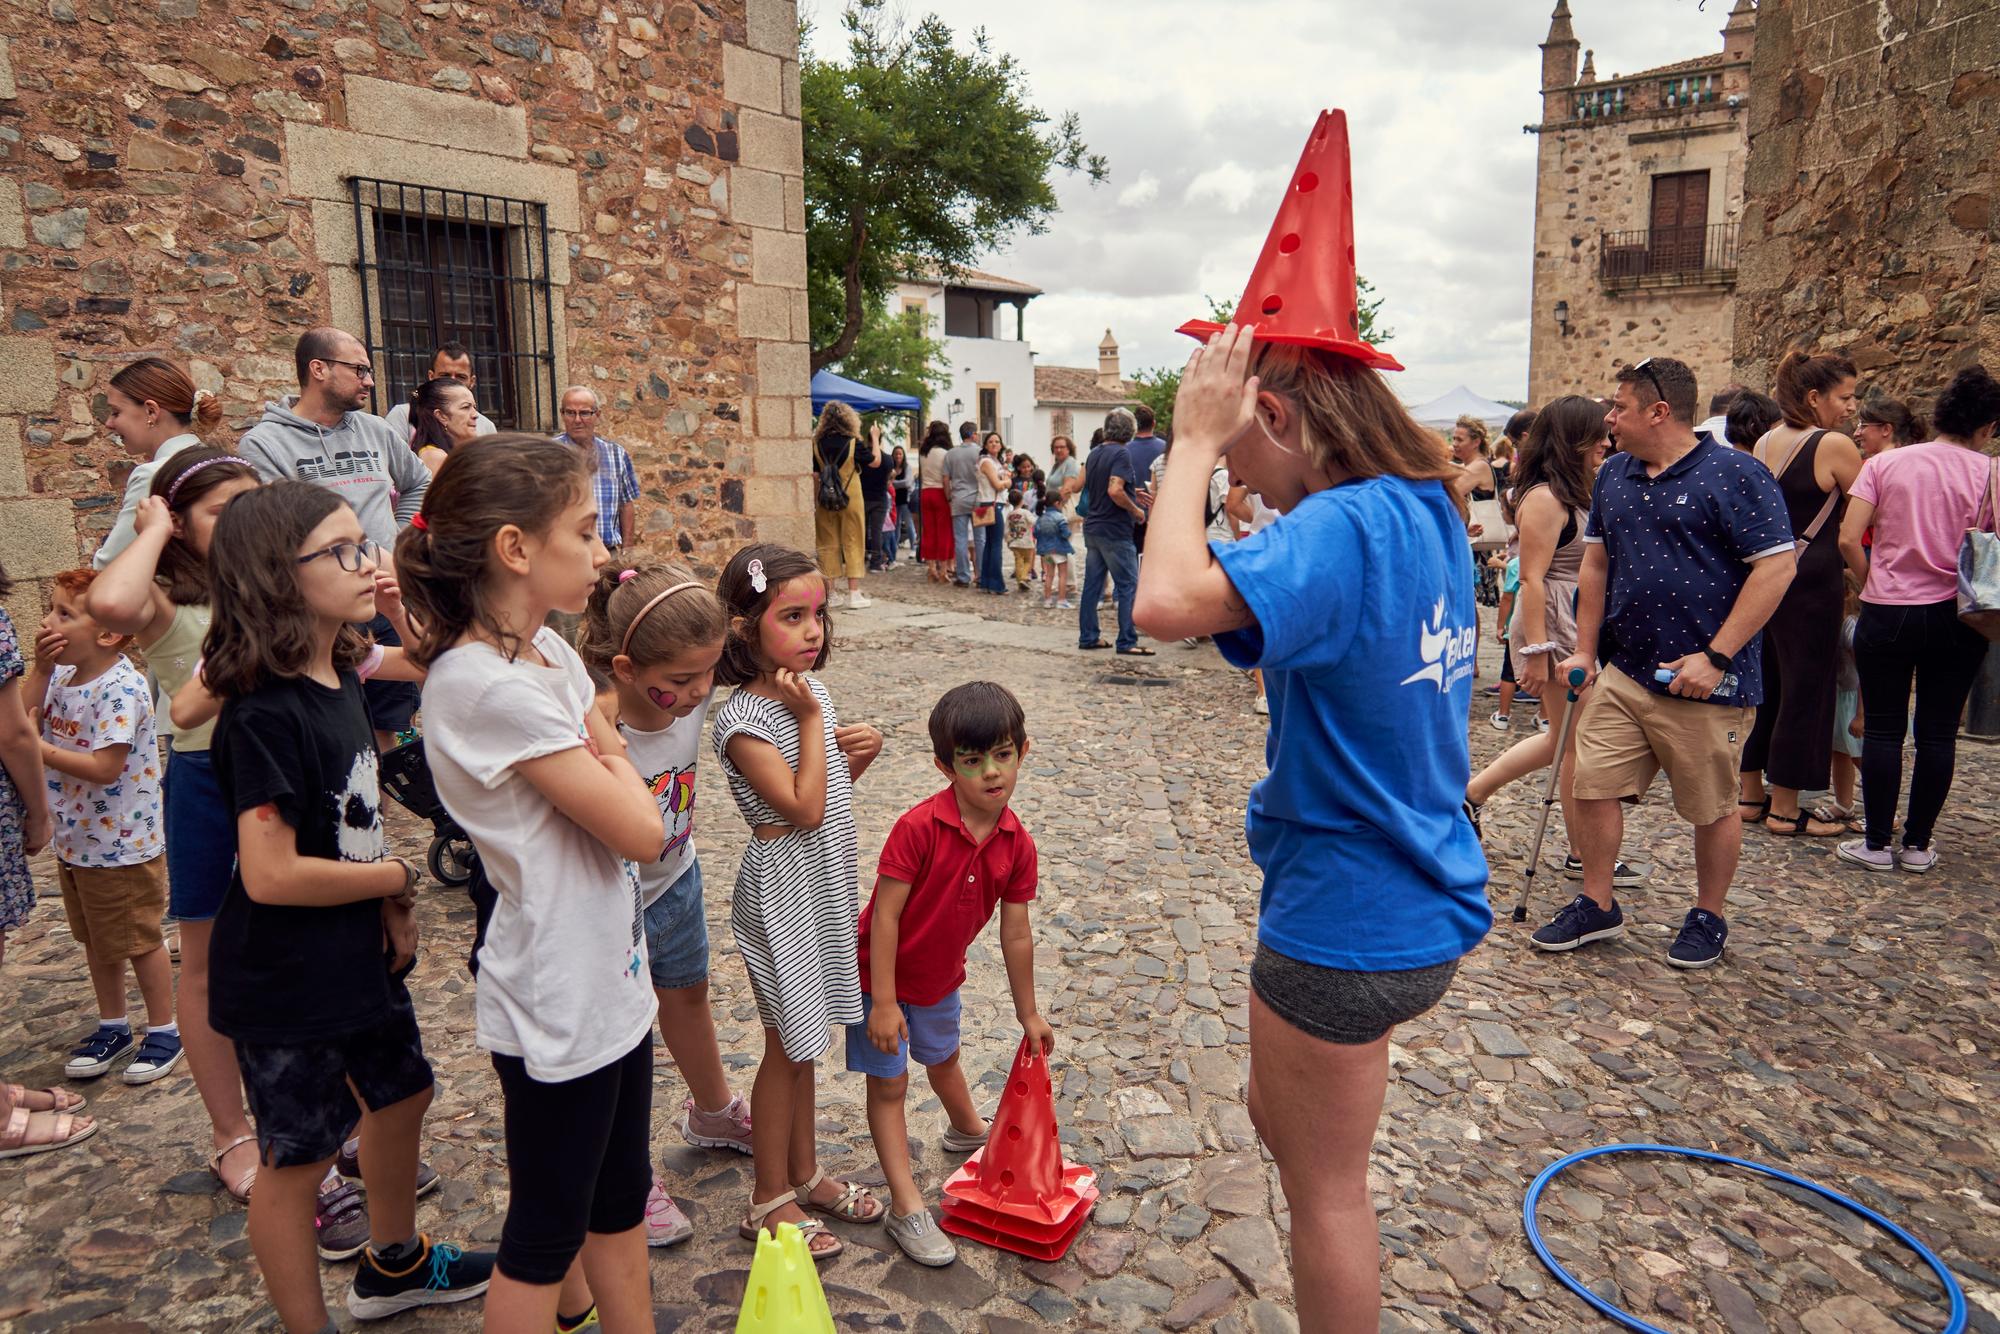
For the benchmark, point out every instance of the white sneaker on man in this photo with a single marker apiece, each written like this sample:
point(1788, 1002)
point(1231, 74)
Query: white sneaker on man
point(857, 600)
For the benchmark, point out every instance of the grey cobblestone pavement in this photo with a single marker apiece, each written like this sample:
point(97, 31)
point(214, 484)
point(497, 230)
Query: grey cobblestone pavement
point(1848, 1037)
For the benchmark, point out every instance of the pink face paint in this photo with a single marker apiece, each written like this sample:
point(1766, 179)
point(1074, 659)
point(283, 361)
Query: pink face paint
point(661, 699)
point(792, 630)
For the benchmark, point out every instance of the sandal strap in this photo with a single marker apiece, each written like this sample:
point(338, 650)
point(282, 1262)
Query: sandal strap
point(215, 1159)
point(843, 1204)
point(760, 1212)
point(803, 1194)
point(16, 1133)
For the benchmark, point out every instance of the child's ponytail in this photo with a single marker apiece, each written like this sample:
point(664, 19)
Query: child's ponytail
point(498, 480)
point(647, 614)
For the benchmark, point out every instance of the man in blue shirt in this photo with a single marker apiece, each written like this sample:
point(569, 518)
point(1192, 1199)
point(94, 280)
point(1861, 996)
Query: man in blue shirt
point(1144, 449)
point(617, 485)
point(1115, 504)
point(1689, 550)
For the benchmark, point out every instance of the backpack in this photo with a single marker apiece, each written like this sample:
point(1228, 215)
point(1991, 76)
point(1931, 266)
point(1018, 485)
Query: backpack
point(832, 492)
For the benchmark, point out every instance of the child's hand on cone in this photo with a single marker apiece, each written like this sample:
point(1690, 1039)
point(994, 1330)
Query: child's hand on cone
point(1217, 402)
point(1041, 1036)
point(887, 1028)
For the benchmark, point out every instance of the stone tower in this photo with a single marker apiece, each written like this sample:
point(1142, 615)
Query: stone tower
point(1108, 376)
point(1558, 63)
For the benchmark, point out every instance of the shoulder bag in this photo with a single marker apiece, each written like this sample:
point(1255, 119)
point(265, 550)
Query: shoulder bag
point(1979, 563)
point(1805, 539)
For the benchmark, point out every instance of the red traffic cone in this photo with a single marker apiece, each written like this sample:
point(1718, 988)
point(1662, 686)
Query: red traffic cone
point(1302, 290)
point(1017, 1193)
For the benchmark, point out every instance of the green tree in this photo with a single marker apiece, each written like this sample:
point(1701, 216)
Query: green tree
point(895, 351)
point(916, 153)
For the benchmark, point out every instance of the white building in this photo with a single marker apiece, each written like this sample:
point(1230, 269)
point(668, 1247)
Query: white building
point(995, 383)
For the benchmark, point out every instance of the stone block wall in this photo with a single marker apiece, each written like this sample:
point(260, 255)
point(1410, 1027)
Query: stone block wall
point(1874, 170)
point(175, 182)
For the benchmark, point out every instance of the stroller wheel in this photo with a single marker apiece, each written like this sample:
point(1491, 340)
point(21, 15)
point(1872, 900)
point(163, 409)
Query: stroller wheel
point(450, 860)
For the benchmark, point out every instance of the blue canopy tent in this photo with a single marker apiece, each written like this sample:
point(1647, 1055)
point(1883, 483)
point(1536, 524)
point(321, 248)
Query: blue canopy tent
point(830, 388)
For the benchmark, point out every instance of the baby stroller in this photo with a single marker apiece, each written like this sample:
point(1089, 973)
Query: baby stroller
point(406, 776)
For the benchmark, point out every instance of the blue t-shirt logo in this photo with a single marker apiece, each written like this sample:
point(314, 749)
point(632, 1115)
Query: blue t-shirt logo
point(1446, 654)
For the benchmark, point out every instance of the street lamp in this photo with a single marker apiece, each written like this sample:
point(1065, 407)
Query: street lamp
point(957, 408)
point(1562, 318)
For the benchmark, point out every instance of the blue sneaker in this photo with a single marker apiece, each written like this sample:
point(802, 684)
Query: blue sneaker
point(437, 1274)
point(98, 1052)
point(156, 1058)
point(1580, 922)
point(1700, 941)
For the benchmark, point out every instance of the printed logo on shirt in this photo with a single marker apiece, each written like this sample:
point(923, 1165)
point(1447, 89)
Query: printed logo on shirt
point(358, 806)
point(635, 962)
point(674, 790)
point(1445, 653)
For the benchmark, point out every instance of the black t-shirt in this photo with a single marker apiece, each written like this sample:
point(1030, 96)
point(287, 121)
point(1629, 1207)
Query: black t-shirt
point(281, 973)
point(1105, 517)
point(831, 452)
point(875, 480)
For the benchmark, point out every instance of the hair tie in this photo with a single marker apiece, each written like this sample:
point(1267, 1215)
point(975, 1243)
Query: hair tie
point(181, 480)
point(758, 579)
point(417, 522)
point(625, 644)
point(624, 575)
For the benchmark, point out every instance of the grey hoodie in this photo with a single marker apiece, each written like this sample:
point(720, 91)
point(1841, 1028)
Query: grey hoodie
point(359, 458)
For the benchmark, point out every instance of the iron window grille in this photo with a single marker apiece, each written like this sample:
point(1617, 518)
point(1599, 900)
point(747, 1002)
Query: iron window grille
point(440, 266)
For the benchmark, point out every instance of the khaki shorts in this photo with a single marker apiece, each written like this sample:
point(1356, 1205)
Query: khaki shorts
point(1627, 734)
point(114, 911)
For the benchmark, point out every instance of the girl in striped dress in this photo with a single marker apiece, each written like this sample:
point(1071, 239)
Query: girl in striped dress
point(791, 768)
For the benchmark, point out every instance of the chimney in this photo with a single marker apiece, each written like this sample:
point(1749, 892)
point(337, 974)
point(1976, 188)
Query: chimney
point(1107, 364)
point(1739, 35)
point(1559, 65)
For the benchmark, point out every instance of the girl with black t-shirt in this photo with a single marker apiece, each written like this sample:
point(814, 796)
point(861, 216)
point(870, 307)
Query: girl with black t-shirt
point(316, 931)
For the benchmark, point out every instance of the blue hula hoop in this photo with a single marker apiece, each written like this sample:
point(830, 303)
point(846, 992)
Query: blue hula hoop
point(1956, 1294)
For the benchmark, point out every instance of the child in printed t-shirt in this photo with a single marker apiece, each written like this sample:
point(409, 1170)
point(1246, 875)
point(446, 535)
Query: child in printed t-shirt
point(1020, 539)
point(538, 778)
point(919, 924)
point(791, 768)
point(656, 633)
point(317, 930)
point(103, 768)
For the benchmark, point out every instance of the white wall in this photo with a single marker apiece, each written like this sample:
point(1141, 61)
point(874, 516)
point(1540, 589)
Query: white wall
point(975, 361)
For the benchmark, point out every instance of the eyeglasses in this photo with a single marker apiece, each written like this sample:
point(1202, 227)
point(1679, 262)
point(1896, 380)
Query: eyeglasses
point(581, 414)
point(348, 555)
point(360, 368)
point(1653, 379)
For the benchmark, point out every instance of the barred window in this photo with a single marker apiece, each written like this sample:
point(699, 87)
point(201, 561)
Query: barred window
point(443, 266)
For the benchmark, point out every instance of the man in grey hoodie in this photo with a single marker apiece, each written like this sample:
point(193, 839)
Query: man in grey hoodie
point(324, 437)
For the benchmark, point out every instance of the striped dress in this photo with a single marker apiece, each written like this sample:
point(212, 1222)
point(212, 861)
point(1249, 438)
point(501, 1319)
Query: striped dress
point(795, 904)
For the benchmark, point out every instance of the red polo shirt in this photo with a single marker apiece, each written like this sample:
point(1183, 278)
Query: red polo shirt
point(954, 884)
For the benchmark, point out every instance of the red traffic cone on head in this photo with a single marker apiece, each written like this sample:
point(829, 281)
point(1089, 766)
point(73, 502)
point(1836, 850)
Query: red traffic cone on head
point(1017, 1192)
point(1302, 290)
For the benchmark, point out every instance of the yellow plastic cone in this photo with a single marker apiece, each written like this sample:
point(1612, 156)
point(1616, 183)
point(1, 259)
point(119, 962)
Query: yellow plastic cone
point(783, 1295)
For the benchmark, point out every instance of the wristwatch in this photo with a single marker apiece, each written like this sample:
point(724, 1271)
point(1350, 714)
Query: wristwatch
point(1721, 660)
point(408, 894)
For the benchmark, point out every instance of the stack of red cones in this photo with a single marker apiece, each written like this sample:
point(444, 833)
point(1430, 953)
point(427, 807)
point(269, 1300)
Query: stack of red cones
point(1018, 1193)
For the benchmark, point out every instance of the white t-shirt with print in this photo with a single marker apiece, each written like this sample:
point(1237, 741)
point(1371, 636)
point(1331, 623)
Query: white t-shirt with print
point(563, 982)
point(665, 759)
point(118, 823)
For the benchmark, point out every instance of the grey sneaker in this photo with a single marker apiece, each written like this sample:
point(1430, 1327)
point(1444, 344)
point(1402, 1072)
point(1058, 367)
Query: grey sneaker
point(340, 1223)
point(1914, 860)
point(919, 1236)
point(957, 1141)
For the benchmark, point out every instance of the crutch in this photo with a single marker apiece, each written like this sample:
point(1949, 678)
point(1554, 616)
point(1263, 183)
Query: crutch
point(1563, 730)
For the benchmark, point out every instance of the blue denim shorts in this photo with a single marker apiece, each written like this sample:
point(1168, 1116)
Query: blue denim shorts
point(933, 1038)
point(677, 933)
point(201, 838)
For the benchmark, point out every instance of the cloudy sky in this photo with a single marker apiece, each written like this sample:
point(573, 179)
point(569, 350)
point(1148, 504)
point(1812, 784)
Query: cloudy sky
point(1202, 109)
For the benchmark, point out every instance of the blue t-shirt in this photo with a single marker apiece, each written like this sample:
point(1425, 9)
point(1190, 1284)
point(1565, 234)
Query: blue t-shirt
point(1106, 518)
point(1366, 629)
point(1680, 545)
point(1144, 449)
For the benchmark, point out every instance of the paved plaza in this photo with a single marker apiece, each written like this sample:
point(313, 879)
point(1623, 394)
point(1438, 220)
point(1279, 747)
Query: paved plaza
point(1848, 1037)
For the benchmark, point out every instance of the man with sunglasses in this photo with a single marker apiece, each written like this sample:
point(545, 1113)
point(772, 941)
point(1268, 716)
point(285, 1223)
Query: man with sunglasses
point(1688, 551)
point(451, 361)
point(324, 435)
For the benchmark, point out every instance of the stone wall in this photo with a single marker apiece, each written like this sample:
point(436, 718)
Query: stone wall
point(175, 183)
point(1872, 180)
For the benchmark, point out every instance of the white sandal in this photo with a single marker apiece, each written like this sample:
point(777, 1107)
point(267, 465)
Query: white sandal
point(810, 1230)
point(845, 1206)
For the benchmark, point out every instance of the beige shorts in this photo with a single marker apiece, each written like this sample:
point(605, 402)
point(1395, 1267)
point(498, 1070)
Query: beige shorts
point(114, 911)
point(1627, 734)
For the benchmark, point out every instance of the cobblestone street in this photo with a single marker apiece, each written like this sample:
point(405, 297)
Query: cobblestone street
point(1848, 1037)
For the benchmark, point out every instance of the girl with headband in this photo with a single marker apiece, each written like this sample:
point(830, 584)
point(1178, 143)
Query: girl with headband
point(656, 633)
point(526, 763)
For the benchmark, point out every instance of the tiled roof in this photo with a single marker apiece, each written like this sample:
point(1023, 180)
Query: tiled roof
point(974, 278)
point(1693, 66)
point(1077, 385)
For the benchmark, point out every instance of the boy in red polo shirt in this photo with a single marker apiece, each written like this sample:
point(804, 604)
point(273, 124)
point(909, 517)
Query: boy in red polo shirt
point(945, 865)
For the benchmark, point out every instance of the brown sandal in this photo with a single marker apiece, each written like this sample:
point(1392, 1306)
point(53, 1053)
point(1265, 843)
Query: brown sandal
point(240, 1192)
point(67, 1129)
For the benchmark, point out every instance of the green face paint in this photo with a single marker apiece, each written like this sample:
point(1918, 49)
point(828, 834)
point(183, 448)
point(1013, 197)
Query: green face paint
point(973, 763)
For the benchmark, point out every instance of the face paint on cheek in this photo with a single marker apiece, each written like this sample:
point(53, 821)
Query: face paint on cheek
point(661, 699)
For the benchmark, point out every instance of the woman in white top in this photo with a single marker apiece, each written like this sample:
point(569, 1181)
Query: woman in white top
point(156, 412)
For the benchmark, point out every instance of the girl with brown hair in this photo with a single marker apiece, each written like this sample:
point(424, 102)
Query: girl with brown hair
point(155, 412)
point(841, 534)
point(1374, 882)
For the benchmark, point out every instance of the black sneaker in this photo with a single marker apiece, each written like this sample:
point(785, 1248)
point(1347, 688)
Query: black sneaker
point(98, 1052)
point(1622, 876)
point(1700, 942)
point(438, 1274)
point(349, 1167)
point(1579, 923)
point(1472, 809)
point(340, 1222)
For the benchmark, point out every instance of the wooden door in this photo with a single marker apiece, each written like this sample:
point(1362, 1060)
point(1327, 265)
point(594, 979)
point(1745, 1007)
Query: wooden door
point(1679, 222)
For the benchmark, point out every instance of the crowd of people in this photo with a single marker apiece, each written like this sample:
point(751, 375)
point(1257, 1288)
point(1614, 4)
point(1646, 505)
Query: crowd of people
point(1747, 601)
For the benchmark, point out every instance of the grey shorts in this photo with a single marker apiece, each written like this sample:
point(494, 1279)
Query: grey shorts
point(1336, 1005)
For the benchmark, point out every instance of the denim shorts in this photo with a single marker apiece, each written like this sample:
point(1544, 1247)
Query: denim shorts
point(1342, 1006)
point(933, 1038)
point(201, 838)
point(677, 933)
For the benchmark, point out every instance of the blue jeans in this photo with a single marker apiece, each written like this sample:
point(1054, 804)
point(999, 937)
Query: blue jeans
point(991, 577)
point(961, 546)
point(1120, 558)
point(906, 524)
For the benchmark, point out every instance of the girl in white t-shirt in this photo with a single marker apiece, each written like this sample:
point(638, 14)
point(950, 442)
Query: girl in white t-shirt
point(656, 633)
point(534, 773)
point(791, 768)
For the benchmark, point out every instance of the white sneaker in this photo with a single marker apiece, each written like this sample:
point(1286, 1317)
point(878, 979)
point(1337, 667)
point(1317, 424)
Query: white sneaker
point(858, 600)
point(666, 1225)
point(1858, 852)
point(1262, 706)
point(836, 599)
point(1066, 605)
point(1915, 860)
point(1500, 722)
point(1048, 604)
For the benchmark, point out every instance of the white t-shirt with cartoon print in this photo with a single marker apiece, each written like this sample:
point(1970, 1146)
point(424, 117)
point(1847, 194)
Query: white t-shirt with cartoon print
point(118, 823)
point(665, 759)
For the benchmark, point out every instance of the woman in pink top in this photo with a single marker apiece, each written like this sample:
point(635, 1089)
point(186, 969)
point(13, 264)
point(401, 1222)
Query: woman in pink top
point(1919, 499)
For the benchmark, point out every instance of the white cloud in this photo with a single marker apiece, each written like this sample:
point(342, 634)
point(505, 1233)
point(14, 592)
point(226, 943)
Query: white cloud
point(1202, 118)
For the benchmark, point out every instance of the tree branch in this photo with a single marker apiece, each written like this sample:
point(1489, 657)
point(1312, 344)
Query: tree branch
point(850, 327)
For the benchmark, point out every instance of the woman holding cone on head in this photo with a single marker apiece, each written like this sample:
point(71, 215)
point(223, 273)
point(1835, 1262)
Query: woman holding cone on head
point(1374, 884)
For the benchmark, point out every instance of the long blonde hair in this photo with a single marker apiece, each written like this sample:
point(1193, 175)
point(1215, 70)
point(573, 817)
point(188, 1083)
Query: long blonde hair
point(1350, 419)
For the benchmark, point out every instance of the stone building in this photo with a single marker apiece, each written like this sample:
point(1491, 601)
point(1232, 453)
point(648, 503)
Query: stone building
point(1874, 168)
point(1072, 400)
point(609, 194)
point(1638, 196)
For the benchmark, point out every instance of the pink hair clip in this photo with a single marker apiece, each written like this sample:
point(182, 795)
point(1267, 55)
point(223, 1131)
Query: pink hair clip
point(623, 575)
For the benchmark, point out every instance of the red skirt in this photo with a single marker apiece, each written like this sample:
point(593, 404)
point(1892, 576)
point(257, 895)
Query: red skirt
point(934, 533)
